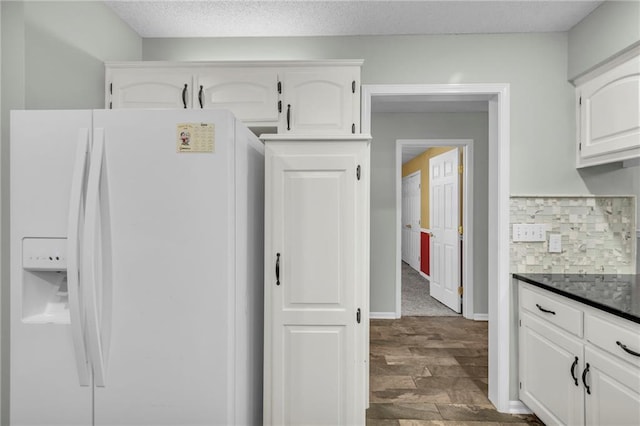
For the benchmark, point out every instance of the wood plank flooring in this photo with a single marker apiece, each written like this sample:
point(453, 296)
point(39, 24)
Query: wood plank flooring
point(432, 371)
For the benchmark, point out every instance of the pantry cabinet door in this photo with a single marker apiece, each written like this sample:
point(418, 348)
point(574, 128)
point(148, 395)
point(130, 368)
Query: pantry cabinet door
point(313, 284)
point(321, 101)
point(250, 93)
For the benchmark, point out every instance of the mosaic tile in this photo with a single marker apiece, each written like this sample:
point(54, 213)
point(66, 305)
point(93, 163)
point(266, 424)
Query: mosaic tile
point(598, 234)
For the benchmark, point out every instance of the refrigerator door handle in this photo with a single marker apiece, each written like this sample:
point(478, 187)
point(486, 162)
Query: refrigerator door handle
point(73, 250)
point(92, 272)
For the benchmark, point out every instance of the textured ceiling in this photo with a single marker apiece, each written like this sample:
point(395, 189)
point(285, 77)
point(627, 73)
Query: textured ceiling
point(270, 18)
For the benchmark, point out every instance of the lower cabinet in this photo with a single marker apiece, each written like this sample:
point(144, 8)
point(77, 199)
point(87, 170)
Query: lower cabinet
point(612, 390)
point(316, 281)
point(551, 362)
point(577, 365)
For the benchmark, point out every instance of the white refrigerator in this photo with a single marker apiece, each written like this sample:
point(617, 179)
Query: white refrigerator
point(136, 268)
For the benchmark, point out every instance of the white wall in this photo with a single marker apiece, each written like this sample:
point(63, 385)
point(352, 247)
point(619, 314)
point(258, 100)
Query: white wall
point(52, 57)
point(542, 110)
point(609, 29)
point(386, 128)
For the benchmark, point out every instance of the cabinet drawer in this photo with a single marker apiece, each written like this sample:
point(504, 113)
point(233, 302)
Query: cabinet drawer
point(552, 310)
point(610, 336)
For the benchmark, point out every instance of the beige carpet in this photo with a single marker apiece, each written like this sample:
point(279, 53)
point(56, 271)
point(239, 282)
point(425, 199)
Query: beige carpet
point(415, 296)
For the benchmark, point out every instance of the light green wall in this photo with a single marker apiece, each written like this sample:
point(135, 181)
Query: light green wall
point(609, 29)
point(52, 57)
point(386, 128)
point(542, 110)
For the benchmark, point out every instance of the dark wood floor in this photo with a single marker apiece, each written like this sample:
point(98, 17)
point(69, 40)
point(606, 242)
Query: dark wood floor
point(432, 371)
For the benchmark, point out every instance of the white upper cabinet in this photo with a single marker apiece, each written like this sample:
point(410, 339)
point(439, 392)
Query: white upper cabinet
point(157, 88)
point(321, 101)
point(608, 114)
point(294, 97)
point(251, 93)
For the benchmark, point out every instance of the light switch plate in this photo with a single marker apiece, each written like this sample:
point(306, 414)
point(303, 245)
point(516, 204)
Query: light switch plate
point(529, 232)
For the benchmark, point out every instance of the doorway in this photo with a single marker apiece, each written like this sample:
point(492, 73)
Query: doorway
point(501, 359)
point(411, 210)
point(446, 235)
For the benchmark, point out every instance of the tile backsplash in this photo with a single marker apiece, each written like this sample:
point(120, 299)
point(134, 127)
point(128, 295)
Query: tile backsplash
point(598, 234)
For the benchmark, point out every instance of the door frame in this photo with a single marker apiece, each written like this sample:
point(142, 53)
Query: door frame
point(416, 173)
point(501, 356)
point(467, 215)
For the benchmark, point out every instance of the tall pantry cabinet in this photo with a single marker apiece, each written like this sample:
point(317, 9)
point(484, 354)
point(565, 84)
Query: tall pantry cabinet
point(316, 275)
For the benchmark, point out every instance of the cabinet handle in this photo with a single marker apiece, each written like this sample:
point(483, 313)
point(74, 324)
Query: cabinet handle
point(184, 96)
point(289, 117)
point(573, 368)
point(584, 379)
point(626, 349)
point(358, 315)
point(200, 97)
point(545, 310)
point(277, 268)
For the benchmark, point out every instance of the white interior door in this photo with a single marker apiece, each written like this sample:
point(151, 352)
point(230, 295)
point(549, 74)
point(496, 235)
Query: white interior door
point(312, 297)
point(444, 217)
point(411, 203)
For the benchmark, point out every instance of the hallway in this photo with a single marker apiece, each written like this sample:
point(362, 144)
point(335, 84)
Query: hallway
point(432, 371)
point(416, 300)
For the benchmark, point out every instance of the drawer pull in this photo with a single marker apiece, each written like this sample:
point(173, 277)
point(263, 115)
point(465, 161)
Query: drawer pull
point(627, 350)
point(545, 310)
point(584, 379)
point(573, 368)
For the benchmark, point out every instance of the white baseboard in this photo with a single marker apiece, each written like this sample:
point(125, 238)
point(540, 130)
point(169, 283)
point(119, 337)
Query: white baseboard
point(481, 317)
point(425, 275)
point(517, 407)
point(382, 315)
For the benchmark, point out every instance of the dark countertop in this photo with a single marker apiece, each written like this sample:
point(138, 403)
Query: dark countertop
point(616, 294)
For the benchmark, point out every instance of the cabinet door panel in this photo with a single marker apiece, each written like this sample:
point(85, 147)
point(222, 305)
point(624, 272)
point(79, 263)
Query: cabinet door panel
point(614, 386)
point(251, 94)
point(313, 287)
point(546, 358)
point(319, 101)
point(610, 114)
point(151, 89)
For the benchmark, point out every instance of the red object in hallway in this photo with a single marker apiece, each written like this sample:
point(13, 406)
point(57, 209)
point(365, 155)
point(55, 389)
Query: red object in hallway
point(424, 252)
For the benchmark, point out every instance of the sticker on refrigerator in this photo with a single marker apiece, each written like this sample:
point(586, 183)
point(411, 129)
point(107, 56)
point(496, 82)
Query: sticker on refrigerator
point(195, 137)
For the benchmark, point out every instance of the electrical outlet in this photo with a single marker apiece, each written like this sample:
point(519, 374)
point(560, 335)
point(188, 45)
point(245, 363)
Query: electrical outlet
point(555, 243)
